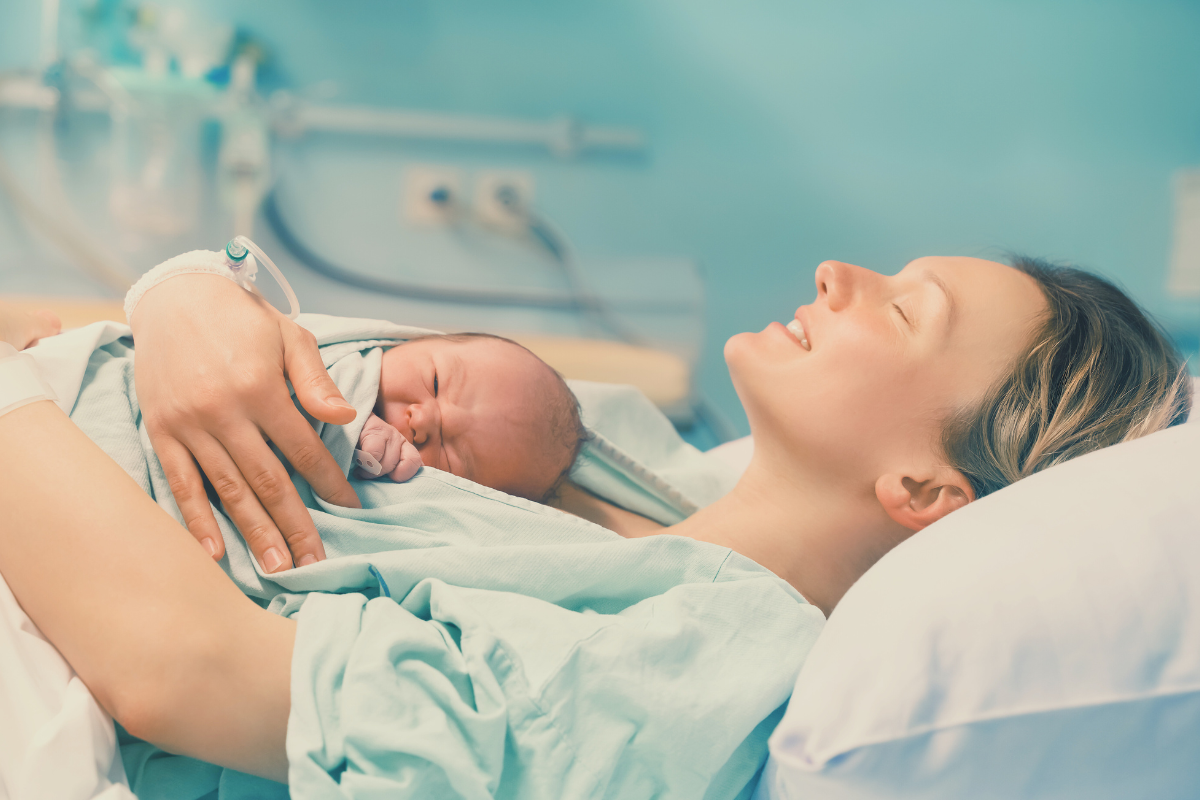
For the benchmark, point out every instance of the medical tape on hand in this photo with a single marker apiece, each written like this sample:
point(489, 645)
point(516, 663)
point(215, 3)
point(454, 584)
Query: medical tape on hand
point(21, 381)
point(195, 262)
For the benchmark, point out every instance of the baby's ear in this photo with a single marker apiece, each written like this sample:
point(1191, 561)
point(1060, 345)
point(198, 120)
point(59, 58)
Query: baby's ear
point(918, 501)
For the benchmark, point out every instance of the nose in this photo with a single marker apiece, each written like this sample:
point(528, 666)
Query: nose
point(838, 283)
point(423, 419)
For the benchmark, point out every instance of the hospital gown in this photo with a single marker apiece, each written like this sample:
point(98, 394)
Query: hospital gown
point(462, 642)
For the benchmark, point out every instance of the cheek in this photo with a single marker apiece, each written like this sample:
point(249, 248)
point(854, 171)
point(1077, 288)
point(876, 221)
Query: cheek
point(396, 387)
point(393, 414)
point(837, 405)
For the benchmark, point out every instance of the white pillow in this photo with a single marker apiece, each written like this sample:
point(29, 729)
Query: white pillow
point(1043, 642)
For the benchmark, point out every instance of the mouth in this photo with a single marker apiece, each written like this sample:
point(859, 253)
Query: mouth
point(796, 328)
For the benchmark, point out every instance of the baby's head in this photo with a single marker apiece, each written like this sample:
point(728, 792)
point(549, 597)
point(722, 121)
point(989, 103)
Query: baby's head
point(484, 408)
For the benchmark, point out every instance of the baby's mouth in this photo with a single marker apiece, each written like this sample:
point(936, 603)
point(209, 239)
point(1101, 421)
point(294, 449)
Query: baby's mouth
point(797, 330)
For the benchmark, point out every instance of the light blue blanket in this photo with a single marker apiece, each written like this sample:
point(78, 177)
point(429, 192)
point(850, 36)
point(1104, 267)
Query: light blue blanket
point(461, 642)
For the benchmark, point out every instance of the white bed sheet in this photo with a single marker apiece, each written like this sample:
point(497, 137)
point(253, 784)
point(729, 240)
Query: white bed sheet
point(55, 740)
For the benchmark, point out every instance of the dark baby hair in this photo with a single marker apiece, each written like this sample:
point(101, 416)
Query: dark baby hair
point(562, 419)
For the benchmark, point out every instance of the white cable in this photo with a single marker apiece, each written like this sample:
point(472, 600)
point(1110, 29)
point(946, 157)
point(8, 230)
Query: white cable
point(242, 263)
point(590, 301)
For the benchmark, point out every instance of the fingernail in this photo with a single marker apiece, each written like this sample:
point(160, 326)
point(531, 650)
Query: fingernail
point(273, 559)
point(210, 546)
point(307, 559)
point(339, 403)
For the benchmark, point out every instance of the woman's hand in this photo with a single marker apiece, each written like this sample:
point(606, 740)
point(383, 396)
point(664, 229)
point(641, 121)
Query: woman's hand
point(211, 369)
point(22, 329)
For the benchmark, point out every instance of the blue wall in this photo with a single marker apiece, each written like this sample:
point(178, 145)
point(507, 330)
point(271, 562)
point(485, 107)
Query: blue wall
point(783, 133)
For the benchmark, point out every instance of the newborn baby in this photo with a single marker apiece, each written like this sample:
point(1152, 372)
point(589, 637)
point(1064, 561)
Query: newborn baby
point(479, 406)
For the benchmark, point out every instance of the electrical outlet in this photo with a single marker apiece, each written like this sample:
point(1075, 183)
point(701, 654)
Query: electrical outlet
point(1183, 278)
point(432, 195)
point(503, 199)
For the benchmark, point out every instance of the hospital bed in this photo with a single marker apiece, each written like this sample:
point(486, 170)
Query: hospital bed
point(1044, 642)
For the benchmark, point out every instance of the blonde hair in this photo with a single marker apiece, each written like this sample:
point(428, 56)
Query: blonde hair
point(1098, 372)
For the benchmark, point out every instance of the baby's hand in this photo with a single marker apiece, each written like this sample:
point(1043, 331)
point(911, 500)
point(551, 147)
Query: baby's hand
point(389, 449)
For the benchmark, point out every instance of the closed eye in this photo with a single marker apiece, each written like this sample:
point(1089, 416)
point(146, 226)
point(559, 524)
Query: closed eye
point(902, 314)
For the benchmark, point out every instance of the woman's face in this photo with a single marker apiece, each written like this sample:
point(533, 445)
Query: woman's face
point(885, 358)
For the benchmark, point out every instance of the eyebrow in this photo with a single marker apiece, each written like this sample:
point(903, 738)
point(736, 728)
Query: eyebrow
point(936, 280)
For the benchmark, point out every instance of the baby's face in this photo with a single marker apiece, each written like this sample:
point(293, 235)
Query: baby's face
point(471, 408)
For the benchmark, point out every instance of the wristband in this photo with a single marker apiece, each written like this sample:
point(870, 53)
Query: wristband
point(197, 261)
point(20, 380)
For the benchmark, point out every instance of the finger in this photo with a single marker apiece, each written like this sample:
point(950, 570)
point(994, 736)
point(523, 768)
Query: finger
point(272, 486)
point(384, 444)
point(410, 462)
point(241, 504)
point(315, 390)
point(305, 451)
point(393, 451)
point(187, 487)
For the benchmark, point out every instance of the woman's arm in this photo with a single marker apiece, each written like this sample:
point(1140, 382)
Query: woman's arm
point(164, 640)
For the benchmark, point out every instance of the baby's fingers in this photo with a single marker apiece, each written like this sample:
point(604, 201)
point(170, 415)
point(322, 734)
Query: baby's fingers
point(410, 462)
point(378, 451)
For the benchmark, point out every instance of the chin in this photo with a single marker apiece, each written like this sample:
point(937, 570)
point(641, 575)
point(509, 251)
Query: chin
point(737, 349)
point(770, 409)
point(739, 357)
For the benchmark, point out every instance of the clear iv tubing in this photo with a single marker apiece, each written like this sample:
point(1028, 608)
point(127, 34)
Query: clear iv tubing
point(241, 255)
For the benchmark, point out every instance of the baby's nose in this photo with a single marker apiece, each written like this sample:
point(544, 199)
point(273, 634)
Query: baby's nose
point(423, 421)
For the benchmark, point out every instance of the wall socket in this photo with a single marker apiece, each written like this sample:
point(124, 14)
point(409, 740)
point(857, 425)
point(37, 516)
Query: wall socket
point(1183, 278)
point(432, 195)
point(503, 199)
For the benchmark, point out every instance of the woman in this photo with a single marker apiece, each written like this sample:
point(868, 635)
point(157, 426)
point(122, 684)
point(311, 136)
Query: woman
point(887, 404)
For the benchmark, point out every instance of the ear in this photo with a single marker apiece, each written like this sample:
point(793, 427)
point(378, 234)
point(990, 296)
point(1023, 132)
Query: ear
point(916, 502)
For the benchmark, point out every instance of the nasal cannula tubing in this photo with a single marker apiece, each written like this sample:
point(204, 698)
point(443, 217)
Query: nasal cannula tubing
point(241, 255)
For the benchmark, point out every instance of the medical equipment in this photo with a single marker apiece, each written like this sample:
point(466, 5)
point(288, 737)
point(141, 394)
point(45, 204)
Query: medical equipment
point(238, 262)
point(579, 297)
point(55, 219)
point(198, 76)
point(240, 256)
point(366, 461)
